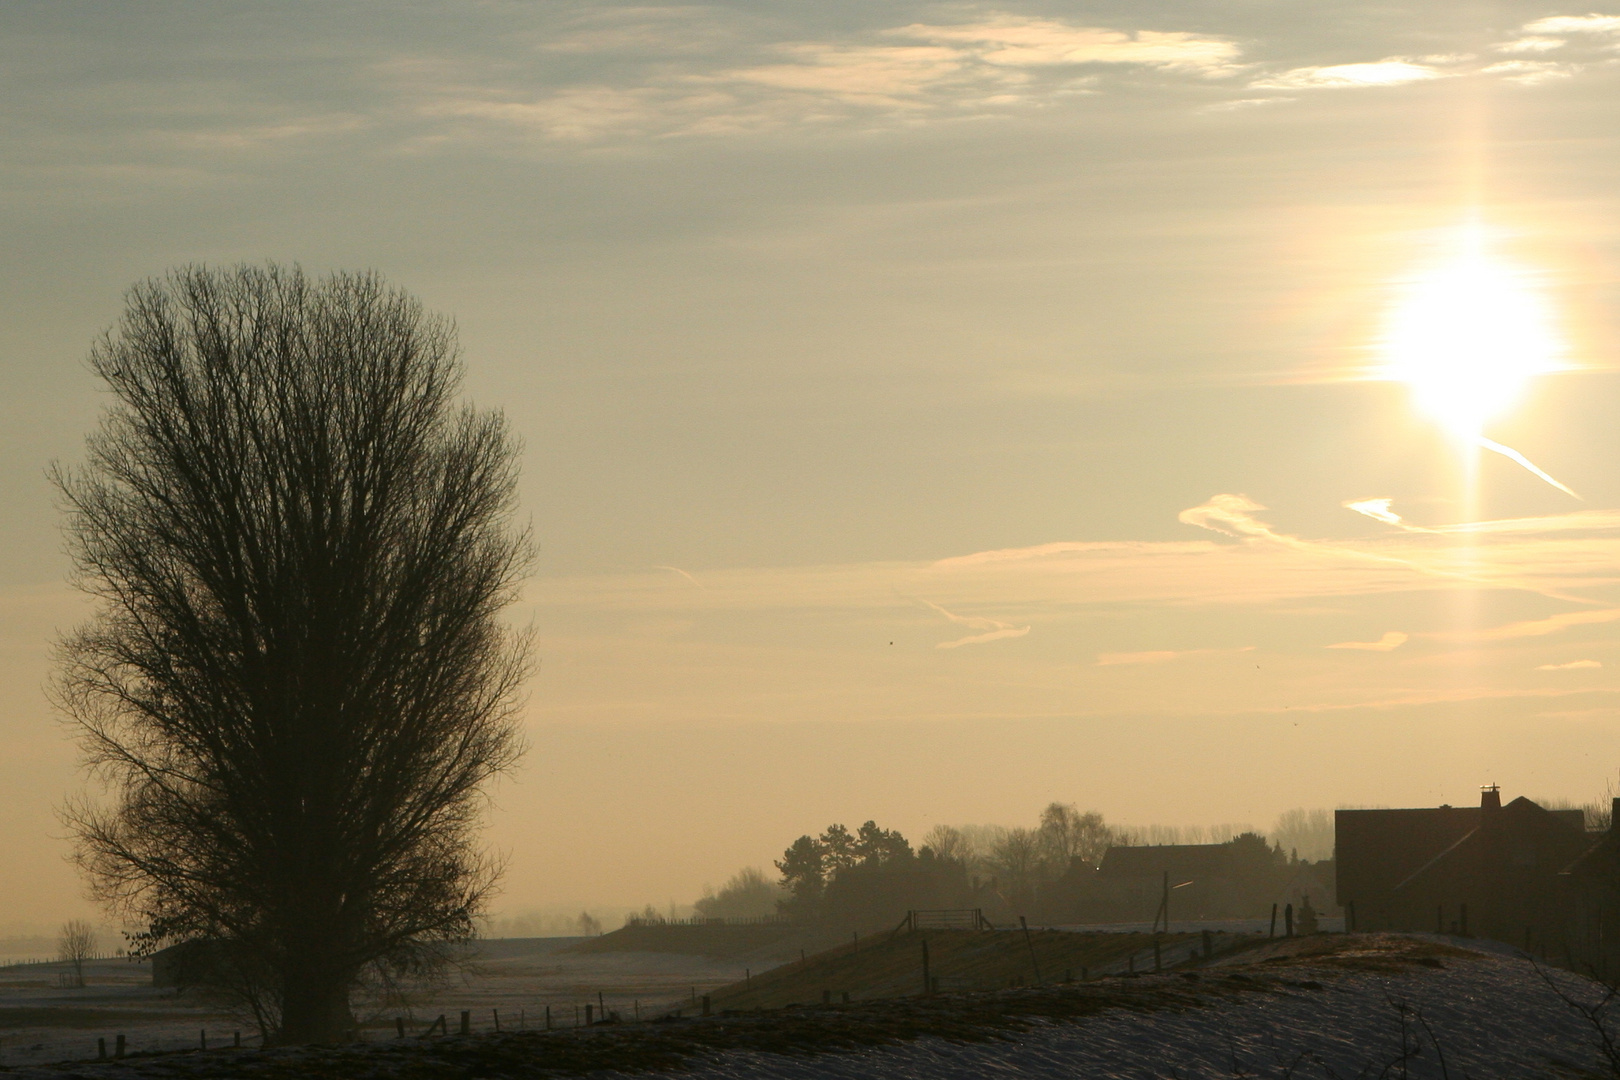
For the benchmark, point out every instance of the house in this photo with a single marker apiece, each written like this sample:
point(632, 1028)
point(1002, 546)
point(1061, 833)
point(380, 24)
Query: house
point(1239, 879)
point(1592, 929)
point(1489, 871)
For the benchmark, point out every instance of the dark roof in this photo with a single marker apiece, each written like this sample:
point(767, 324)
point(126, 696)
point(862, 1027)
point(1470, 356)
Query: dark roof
point(1599, 861)
point(1376, 850)
point(1382, 841)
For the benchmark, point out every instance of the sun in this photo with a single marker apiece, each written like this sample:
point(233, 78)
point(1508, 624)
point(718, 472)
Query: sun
point(1467, 334)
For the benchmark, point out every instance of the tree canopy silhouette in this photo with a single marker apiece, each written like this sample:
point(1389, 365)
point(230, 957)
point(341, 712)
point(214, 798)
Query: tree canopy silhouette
point(297, 684)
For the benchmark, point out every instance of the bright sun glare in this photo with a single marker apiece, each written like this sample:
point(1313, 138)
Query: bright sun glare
point(1467, 335)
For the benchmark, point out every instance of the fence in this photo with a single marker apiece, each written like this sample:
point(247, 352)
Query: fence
point(946, 919)
point(557, 1015)
point(41, 961)
point(729, 920)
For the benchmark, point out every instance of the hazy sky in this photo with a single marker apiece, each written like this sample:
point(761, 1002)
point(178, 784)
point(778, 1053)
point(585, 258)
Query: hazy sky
point(931, 410)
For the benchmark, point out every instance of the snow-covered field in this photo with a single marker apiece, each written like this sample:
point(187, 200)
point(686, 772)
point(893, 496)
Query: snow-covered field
point(1483, 1016)
point(1373, 1005)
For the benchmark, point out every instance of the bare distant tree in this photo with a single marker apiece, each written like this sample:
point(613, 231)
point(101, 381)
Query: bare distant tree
point(748, 893)
point(1016, 860)
point(298, 682)
point(1067, 834)
point(74, 945)
point(949, 842)
point(1308, 832)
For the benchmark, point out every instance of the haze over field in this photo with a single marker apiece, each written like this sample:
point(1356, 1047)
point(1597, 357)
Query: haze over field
point(931, 410)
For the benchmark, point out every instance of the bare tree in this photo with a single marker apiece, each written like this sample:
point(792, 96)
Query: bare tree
point(298, 683)
point(949, 842)
point(1308, 832)
point(748, 893)
point(1066, 834)
point(1017, 863)
point(74, 945)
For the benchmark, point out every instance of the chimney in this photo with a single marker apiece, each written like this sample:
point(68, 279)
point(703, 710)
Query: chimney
point(1490, 797)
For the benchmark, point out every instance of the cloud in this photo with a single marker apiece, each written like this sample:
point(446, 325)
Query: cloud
point(1115, 659)
point(1248, 563)
point(855, 75)
point(1531, 73)
point(1531, 44)
point(997, 630)
point(1391, 72)
point(1575, 24)
point(712, 82)
point(1573, 665)
point(1542, 627)
point(1377, 509)
point(1120, 659)
point(1243, 103)
point(1229, 514)
point(1015, 41)
point(979, 639)
point(1392, 640)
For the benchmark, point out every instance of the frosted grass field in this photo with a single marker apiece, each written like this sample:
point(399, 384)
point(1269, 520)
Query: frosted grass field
point(1410, 1006)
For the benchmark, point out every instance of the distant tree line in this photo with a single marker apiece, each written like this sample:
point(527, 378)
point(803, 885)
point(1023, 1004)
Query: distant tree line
point(864, 877)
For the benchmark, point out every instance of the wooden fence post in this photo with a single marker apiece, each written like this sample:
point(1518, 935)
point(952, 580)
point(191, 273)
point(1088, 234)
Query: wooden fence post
point(1031, 943)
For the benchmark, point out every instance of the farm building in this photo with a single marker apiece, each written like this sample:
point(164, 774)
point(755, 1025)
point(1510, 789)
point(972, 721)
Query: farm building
point(1488, 871)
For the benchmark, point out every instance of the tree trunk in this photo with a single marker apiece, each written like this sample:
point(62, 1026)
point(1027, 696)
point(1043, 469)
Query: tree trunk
point(315, 1005)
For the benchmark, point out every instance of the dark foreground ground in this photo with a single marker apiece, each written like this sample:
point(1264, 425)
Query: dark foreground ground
point(1331, 1006)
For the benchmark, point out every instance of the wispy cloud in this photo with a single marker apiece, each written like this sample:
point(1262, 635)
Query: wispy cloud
point(1530, 44)
point(1253, 565)
point(1118, 659)
point(1575, 24)
point(1573, 665)
point(1553, 34)
point(1016, 41)
point(714, 84)
point(1161, 656)
point(1377, 509)
point(1541, 627)
point(1532, 72)
point(1392, 72)
point(1392, 640)
point(996, 630)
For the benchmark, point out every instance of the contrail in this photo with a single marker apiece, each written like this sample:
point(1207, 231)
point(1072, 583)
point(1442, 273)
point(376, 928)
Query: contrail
point(1513, 455)
point(681, 572)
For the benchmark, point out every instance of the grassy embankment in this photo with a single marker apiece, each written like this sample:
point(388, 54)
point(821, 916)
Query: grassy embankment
point(960, 960)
